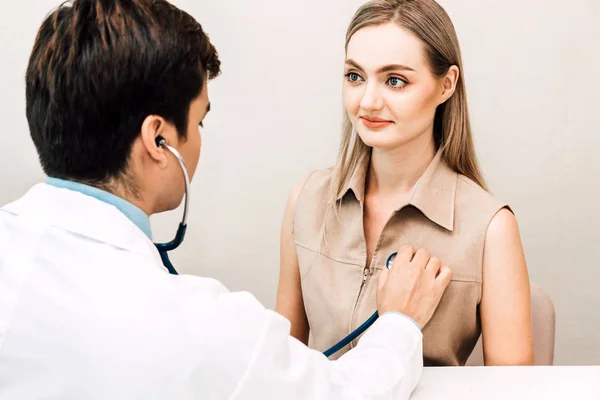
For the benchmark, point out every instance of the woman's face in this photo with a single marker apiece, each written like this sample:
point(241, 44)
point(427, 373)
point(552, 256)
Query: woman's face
point(390, 93)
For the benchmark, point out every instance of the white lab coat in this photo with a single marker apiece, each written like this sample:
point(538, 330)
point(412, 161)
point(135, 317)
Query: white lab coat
point(87, 311)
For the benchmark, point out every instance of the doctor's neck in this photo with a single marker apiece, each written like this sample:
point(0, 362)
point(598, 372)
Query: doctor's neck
point(129, 190)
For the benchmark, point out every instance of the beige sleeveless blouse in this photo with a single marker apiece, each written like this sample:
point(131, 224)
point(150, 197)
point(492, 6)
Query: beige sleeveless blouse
point(447, 213)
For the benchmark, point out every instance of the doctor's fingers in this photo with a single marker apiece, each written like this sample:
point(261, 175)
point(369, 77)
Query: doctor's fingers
point(444, 277)
point(433, 266)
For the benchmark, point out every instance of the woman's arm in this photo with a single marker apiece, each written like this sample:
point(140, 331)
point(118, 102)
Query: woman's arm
point(289, 293)
point(505, 302)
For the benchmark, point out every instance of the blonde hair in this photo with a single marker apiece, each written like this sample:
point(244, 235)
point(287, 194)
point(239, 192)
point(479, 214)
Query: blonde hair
point(428, 21)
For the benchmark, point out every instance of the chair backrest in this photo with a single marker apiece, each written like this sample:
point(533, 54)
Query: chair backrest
point(543, 324)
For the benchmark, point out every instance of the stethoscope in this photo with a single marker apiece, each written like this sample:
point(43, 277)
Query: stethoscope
point(163, 248)
point(365, 325)
point(173, 244)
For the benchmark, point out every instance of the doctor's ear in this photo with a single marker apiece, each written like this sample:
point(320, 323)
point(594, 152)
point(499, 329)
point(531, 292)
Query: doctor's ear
point(155, 131)
point(160, 141)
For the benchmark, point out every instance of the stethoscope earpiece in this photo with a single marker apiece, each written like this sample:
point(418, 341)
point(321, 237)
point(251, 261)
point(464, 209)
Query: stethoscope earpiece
point(160, 141)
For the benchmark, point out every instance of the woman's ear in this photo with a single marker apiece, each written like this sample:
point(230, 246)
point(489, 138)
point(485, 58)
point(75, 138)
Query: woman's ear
point(449, 82)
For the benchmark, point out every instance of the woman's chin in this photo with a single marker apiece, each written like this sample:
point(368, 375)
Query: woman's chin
point(381, 140)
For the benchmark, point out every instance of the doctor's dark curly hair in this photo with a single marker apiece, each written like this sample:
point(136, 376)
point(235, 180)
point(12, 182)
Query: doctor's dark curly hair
point(98, 68)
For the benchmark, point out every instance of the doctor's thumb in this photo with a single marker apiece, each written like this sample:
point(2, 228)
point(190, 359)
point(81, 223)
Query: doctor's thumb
point(382, 278)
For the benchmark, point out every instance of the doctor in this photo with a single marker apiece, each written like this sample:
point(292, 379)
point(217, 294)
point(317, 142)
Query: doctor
point(87, 308)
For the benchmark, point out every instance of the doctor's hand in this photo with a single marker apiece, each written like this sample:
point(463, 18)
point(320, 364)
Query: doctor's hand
point(414, 285)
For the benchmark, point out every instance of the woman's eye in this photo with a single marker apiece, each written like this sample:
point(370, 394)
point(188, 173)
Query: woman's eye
point(201, 124)
point(396, 82)
point(353, 77)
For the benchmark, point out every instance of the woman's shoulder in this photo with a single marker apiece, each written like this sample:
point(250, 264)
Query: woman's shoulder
point(315, 185)
point(319, 177)
point(308, 202)
point(473, 200)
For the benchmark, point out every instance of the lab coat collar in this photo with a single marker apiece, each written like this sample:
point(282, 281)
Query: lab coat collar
point(136, 215)
point(83, 215)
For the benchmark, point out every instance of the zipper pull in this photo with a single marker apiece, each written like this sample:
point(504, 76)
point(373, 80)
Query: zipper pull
point(366, 274)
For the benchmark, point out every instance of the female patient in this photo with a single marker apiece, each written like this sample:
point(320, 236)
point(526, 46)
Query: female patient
point(406, 173)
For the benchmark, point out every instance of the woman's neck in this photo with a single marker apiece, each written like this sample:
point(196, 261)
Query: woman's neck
point(395, 172)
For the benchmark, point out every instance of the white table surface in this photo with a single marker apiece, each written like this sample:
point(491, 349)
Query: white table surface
point(510, 383)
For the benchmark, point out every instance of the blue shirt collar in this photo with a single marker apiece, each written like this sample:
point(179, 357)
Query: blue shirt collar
point(132, 212)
